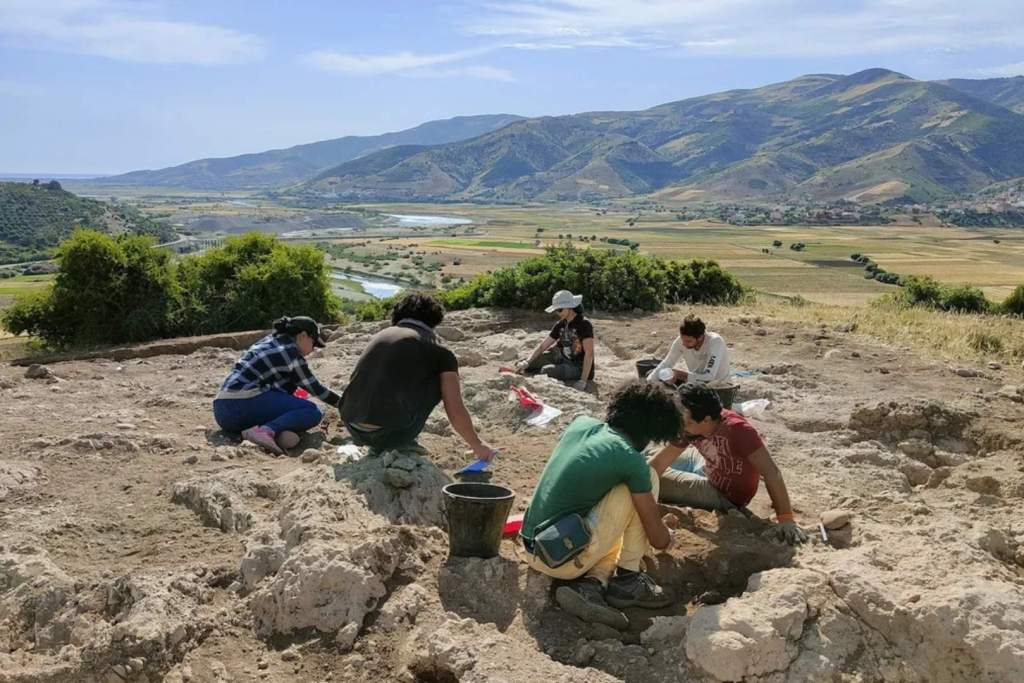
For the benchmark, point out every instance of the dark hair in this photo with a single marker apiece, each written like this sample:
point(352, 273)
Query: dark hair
point(701, 401)
point(692, 326)
point(578, 310)
point(644, 412)
point(283, 325)
point(422, 307)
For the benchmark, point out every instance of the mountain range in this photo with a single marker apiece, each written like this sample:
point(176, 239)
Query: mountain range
point(870, 136)
point(278, 167)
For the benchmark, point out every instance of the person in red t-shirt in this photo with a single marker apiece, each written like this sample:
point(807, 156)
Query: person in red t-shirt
point(722, 470)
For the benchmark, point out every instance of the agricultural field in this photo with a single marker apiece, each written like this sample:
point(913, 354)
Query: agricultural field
point(22, 284)
point(434, 254)
point(992, 259)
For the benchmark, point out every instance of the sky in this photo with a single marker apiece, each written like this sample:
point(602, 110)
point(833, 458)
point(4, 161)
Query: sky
point(107, 86)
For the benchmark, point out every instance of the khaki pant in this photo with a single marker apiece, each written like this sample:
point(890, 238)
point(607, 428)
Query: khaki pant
point(618, 539)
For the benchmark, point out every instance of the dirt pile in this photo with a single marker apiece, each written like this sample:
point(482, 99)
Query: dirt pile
point(138, 543)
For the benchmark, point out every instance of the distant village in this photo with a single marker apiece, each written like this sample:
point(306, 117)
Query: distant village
point(1002, 207)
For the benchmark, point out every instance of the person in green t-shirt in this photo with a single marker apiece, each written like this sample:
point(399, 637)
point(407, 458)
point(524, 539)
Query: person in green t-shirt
point(598, 470)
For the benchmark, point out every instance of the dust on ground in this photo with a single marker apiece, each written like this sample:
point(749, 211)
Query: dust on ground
point(139, 543)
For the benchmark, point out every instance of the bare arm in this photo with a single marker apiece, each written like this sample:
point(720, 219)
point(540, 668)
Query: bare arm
point(666, 456)
point(773, 482)
point(588, 358)
point(546, 344)
point(458, 416)
point(650, 516)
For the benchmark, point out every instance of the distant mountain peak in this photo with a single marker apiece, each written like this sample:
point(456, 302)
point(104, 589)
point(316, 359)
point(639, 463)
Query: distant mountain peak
point(820, 136)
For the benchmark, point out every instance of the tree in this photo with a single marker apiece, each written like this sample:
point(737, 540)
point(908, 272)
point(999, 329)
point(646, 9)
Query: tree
point(108, 291)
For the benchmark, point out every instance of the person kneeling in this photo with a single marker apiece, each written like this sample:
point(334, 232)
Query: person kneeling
point(729, 461)
point(597, 471)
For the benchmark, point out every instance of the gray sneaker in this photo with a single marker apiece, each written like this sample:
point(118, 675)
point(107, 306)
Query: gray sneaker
point(636, 590)
point(584, 598)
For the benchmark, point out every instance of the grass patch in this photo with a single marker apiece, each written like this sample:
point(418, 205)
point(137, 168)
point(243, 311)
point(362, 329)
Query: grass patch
point(345, 283)
point(23, 284)
point(951, 336)
point(483, 243)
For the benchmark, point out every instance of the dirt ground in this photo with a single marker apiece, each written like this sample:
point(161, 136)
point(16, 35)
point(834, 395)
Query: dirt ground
point(140, 543)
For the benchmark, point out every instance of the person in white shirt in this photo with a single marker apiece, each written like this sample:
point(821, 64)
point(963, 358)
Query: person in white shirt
point(704, 353)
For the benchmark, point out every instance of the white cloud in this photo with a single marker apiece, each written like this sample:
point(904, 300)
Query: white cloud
point(373, 65)
point(779, 28)
point(132, 32)
point(409, 64)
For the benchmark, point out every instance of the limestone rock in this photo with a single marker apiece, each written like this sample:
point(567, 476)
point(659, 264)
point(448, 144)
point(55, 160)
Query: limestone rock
point(36, 371)
point(449, 333)
point(835, 519)
point(755, 635)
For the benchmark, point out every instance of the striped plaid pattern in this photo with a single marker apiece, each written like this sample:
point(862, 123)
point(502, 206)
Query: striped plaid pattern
point(273, 362)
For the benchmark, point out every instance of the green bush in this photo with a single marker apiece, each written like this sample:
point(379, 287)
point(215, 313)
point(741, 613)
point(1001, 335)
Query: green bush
point(122, 290)
point(1014, 304)
point(249, 282)
point(929, 293)
point(610, 281)
point(108, 290)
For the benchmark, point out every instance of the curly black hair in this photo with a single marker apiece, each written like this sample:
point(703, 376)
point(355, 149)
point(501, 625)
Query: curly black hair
point(422, 307)
point(701, 401)
point(644, 412)
point(692, 326)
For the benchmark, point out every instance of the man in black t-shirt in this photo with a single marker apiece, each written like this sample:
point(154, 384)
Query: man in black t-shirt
point(572, 358)
point(401, 376)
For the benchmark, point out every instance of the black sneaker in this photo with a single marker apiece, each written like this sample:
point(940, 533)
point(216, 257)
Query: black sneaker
point(584, 598)
point(636, 590)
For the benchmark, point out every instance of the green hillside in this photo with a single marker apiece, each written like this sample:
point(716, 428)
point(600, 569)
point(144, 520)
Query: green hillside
point(873, 135)
point(1006, 92)
point(36, 217)
point(264, 170)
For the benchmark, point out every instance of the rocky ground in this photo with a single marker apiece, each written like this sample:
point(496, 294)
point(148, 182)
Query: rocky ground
point(139, 543)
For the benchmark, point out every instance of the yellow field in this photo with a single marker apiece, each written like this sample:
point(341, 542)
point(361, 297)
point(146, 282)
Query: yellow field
point(823, 272)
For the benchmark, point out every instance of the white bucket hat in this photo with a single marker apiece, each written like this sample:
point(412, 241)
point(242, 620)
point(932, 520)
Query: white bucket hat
point(563, 298)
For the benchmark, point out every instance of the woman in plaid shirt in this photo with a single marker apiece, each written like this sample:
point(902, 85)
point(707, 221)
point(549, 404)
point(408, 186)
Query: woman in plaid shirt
point(257, 397)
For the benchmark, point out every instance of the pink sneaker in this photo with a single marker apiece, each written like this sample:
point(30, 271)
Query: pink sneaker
point(264, 438)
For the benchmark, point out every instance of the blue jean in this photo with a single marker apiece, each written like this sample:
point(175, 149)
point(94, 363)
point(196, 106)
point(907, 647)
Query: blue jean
point(686, 483)
point(273, 409)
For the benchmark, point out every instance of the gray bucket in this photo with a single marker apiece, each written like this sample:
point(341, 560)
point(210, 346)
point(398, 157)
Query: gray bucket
point(476, 514)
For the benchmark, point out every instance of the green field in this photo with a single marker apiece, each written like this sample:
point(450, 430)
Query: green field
point(22, 284)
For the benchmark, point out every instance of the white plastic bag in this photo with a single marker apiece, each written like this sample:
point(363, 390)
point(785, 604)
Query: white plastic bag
point(350, 453)
point(543, 416)
point(752, 408)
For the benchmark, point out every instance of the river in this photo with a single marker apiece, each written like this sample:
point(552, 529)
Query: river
point(410, 220)
point(377, 288)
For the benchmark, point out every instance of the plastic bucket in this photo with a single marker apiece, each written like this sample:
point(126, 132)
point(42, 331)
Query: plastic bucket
point(476, 514)
point(643, 367)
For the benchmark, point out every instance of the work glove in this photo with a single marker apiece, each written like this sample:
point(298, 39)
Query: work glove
point(580, 385)
point(521, 366)
point(791, 533)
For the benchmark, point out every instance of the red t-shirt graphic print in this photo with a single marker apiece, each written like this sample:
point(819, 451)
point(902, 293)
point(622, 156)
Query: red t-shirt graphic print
point(727, 457)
